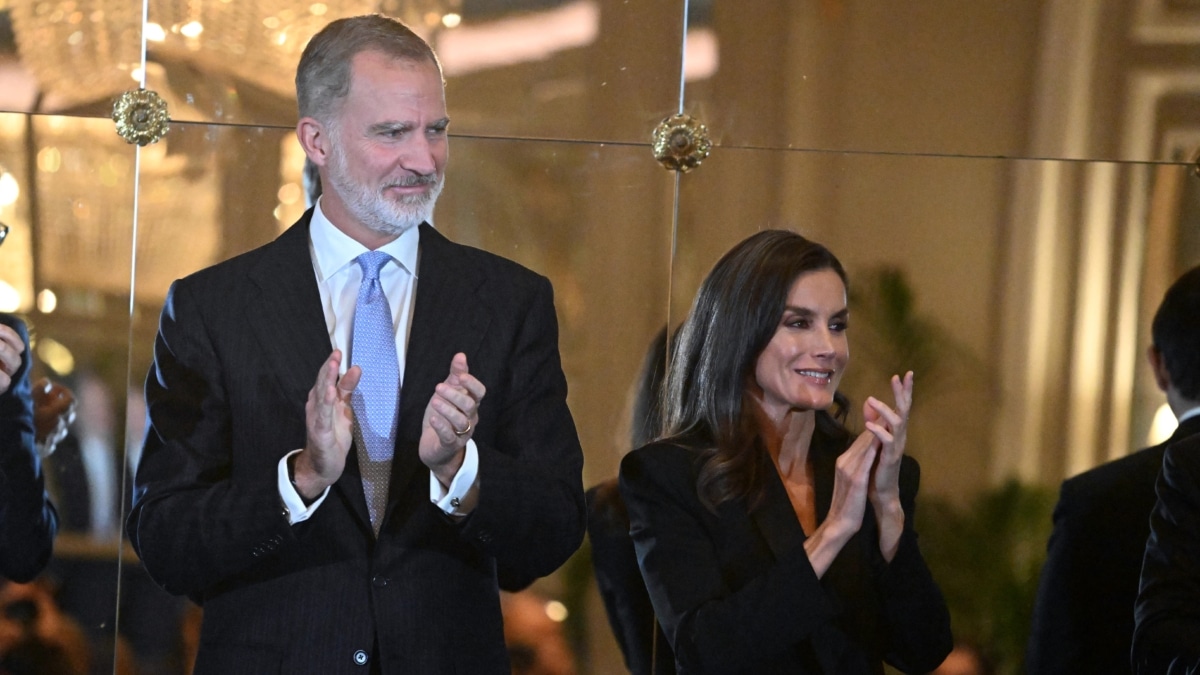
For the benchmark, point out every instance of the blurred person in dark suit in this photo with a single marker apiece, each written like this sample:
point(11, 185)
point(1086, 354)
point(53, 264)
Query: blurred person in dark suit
point(626, 602)
point(28, 521)
point(1166, 638)
point(1083, 616)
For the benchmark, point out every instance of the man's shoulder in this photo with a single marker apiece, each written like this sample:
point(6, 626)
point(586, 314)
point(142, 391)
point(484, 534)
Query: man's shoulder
point(481, 259)
point(503, 279)
point(233, 270)
point(1184, 455)
point(1133, 473)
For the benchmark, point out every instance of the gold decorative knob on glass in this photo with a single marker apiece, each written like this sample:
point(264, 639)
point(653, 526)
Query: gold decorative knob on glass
point(681, 143)
point(141, 116)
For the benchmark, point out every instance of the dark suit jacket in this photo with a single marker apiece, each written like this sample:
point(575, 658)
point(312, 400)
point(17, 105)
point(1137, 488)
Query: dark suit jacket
point(28, 521)
point(626, 602)
point(1167, 635)
point(1083, 616)
point(735, 591)
point(238, 349)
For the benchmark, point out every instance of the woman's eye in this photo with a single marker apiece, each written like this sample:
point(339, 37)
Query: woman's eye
point(838, 326)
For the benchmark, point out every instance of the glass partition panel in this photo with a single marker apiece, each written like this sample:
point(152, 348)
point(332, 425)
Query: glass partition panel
point(1019, 291)
point(68, 56)
point(569, 69)
point(595, 219)
point(974, 250)
point(67, 193)
point(1032, 78)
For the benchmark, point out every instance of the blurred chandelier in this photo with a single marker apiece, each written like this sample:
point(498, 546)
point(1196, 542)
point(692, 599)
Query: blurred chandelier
point(82, 51)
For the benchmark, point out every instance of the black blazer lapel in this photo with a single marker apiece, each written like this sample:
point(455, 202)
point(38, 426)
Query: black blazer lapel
point(775, 518)
point(448, 317)
point(288, 321)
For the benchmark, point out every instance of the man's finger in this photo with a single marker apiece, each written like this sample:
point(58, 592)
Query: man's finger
point(458, 364)
point(349, 381)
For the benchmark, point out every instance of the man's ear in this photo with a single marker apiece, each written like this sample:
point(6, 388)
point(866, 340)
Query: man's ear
point(1158, 365)
point(314, 139)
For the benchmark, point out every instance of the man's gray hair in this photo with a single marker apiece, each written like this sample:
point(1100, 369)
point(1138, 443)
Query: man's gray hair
point(323, 75)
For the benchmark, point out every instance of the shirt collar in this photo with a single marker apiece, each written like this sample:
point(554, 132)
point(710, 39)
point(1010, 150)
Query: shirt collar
point(333, 249)
point(1189, 414)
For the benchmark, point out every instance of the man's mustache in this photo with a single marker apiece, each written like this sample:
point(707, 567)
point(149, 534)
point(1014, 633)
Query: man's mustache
point(412, 181)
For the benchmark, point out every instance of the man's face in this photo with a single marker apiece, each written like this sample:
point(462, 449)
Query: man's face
point(387, 160)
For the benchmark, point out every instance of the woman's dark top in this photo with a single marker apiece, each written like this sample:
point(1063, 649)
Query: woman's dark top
point(735, 591)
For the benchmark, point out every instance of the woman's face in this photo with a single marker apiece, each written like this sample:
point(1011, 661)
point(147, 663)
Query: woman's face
point(803, 364)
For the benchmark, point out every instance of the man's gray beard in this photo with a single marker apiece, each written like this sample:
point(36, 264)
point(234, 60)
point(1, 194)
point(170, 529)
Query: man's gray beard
point(373, 210)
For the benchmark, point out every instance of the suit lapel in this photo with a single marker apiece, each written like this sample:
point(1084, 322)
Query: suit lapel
point(448, 317)
point(775, 518)
point(289, 323)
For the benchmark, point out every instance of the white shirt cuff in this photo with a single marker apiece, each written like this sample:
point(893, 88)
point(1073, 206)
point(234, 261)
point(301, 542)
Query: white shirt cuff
point(463, 494)
point(298, 511)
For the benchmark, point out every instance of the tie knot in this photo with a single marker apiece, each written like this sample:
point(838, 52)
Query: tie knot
point(371, 262)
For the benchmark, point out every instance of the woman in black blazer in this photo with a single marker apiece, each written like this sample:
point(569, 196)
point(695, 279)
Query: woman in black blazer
point(770, 538)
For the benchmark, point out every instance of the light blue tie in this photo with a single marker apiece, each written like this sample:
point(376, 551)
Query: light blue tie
point(376, 399)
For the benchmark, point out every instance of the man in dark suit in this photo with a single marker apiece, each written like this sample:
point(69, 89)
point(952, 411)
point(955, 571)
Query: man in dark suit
point(263, 496)
point(1083, 617)
point(1166, 639)
point(28, 521)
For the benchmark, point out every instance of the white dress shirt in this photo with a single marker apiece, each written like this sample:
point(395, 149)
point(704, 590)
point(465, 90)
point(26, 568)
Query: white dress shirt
point(1189, 414)
point(338, 278)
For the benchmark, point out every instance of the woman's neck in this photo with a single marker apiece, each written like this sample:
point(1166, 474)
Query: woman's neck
point(788, 440)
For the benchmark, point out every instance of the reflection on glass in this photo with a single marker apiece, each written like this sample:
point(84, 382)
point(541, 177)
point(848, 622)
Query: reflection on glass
point(66, 193)
point(70, 55)
point(540, 68)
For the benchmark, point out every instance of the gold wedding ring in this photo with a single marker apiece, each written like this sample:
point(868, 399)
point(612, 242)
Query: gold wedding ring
point(466, 431)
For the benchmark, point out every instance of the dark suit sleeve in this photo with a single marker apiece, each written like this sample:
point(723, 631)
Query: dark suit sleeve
point(193, 522)
point(626, 602)
point(1167, 634)
point(27, 519)
point(1055, 642)
point(717, 628)
point(712, 627)
point(916, 617)
point(531, 513)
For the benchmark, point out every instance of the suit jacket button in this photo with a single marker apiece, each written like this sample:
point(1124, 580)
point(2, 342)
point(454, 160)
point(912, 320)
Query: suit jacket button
point(379, 581)
point(360, 658)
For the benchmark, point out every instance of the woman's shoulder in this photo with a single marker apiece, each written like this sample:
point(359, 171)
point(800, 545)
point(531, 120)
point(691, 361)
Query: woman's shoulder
point(666, 464)
point(658, 453)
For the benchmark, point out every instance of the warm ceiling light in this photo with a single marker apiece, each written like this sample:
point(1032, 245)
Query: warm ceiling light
point(10, 299)
point(155, 32)
point(289, 193)
point(47, 301)
point(451, 20)
point(9, 189)
point(49, 159)
point(556, 611)
point(1163, 426)
point(191, 29)
point(56, 355)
